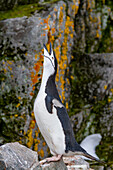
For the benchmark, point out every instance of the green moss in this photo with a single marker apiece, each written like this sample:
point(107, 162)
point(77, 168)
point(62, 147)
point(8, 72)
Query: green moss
point(106, 42)
point(50, 1)
point(25, 10)
point(20, 11)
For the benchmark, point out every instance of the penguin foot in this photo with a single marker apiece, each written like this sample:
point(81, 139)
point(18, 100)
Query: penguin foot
point(54, 158)
point(51, 159)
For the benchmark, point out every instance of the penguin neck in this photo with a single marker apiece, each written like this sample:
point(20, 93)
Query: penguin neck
point(45, 78)
point(48, 85)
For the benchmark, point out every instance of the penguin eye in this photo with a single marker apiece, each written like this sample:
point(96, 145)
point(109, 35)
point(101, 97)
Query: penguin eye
point(52, 58)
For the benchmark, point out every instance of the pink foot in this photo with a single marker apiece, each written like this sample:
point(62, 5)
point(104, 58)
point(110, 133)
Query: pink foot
point(51, 159)
point(54, 158)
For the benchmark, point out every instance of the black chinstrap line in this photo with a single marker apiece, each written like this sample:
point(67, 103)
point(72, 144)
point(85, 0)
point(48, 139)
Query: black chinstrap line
point(50, 60)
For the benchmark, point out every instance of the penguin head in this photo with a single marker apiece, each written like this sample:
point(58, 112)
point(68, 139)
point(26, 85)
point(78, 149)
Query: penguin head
point(50, 61)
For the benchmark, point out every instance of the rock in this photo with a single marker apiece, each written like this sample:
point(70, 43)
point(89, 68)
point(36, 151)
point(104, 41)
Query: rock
point(2, 163)
point(93, 87)
point(67, 163)
point(76, 163)
point(54, 166)
point(98, 167)
point(16, 156)
point(96, 85)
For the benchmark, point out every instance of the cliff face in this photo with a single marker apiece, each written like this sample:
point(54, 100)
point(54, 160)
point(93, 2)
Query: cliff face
point(77, 30)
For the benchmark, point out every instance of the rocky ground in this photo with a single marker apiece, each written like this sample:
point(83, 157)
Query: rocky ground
point(14, 156)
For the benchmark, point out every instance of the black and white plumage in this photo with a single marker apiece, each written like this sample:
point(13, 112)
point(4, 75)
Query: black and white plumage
point(51, 115)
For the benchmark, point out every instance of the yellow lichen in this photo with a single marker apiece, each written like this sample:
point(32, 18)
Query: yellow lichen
point(19, 97)
point(32, 124)
point(43, 143)
point(66, 105)
point(16, 115)
point(30, 138)
point(36, 147)
point(105, 87)
point(97, 34)
point(41, 153)
point(109, 100)
point(18, 105)
point(112, 91)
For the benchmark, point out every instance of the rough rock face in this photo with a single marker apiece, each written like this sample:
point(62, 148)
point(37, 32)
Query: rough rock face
point(93, 84)
point(98, 68)
point(16, 156)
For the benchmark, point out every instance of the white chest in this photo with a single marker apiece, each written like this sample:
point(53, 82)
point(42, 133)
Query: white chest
point(49, 125)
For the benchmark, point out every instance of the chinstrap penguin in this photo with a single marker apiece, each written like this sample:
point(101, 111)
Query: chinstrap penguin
point(51, 115)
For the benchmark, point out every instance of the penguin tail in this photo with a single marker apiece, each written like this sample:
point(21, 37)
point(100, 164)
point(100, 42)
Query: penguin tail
point(93, 158)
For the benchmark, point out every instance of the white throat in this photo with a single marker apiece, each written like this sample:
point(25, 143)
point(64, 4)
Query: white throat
point(45, 76)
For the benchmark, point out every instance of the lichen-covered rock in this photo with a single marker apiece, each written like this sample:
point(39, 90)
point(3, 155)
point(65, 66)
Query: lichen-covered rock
point(92, 92)
point(93, 27)
point(21, 48)
point(16, 156)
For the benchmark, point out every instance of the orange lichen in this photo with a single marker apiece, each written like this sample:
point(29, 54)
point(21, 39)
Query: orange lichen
point(46, 20)
point(53, 30)
point(61, 16)
point(43, 143)
point(34, 79)
point(41, 153)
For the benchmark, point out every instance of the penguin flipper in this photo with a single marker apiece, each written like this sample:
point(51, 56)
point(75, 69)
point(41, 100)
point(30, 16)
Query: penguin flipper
point(49, 104)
